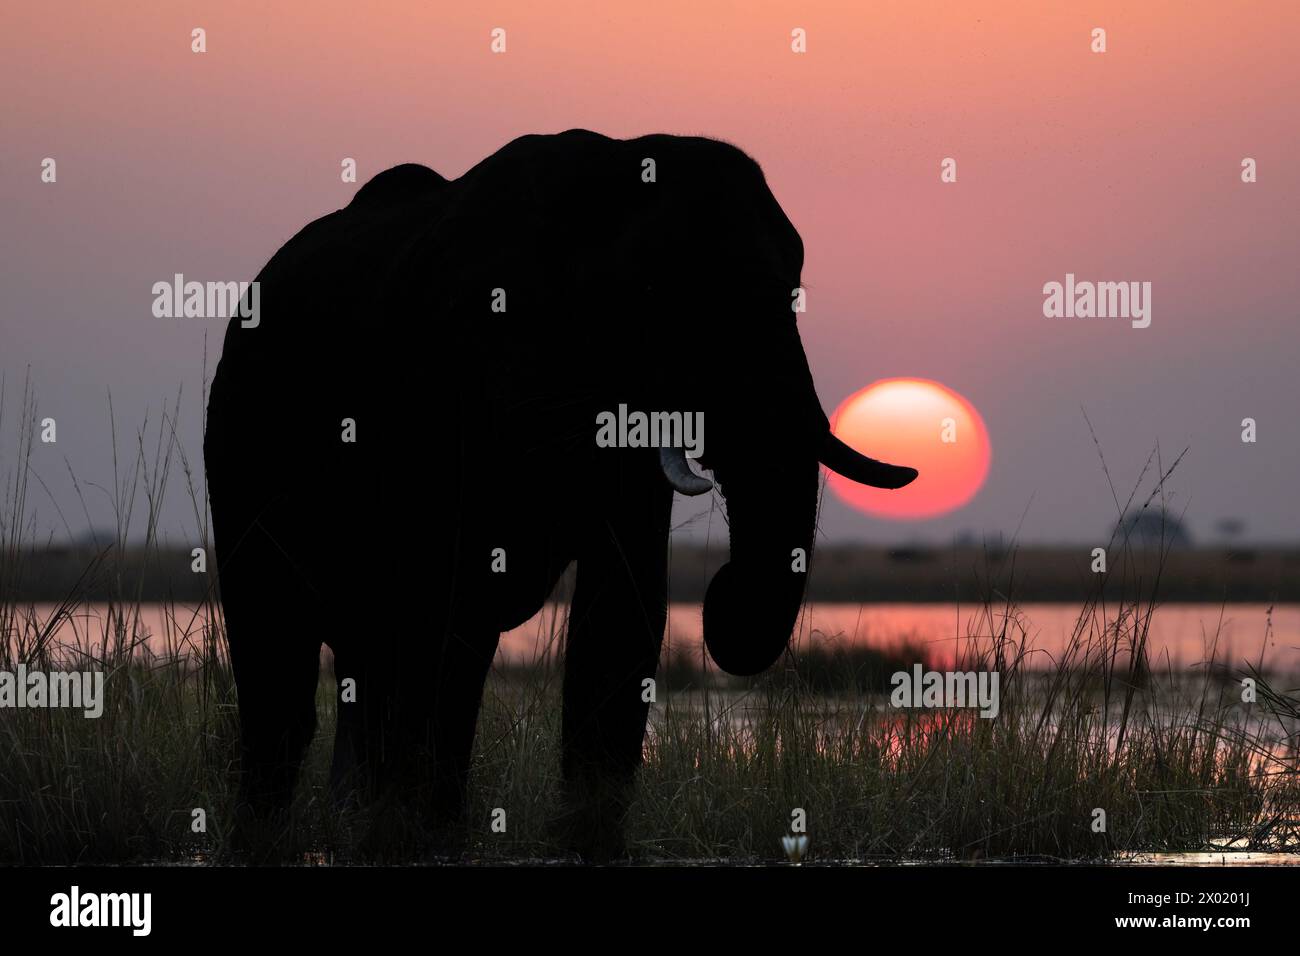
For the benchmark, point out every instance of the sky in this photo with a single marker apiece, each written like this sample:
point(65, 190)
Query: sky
point(1117, 166)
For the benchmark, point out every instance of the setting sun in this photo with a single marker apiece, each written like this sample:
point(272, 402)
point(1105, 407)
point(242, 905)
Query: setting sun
point(916, 422)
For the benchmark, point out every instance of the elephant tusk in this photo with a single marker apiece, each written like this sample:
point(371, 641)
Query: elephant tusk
point(679, 474)
point(843, 460)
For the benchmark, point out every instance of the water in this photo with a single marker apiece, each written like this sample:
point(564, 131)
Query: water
point(1182, 634)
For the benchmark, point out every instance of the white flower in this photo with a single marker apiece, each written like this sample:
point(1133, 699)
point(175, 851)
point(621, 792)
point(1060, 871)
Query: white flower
point(795, 847)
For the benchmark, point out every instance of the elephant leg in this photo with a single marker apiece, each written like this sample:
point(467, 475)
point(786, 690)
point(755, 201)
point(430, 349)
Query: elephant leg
point(459, 675)
point(405, 740)
point(276, 664)
point(615, 634)
point(348, 782)
point(383, 754)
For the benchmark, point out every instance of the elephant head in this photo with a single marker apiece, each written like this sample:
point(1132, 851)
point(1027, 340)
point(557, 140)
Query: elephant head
point(766, 432)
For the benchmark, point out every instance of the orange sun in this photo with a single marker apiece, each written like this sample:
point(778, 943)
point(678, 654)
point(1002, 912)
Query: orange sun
point(916, 422)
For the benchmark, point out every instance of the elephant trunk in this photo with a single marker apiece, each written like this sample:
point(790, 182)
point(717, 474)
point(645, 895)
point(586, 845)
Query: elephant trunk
point(769, 477)
point(753, 601)
point(770, 482)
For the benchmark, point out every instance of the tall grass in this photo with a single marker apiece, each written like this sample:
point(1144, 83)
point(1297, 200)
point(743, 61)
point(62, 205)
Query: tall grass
point(1175, 759)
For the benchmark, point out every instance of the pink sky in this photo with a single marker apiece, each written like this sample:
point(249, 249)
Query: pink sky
point(1115, 166)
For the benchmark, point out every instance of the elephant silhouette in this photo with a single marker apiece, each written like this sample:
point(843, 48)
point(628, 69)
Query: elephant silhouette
point(402, 457)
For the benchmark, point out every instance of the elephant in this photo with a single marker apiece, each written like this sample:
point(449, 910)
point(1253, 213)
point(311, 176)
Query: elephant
point(402, 461)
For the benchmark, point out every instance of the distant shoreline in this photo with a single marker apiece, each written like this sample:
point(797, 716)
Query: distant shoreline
point(839, 573)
